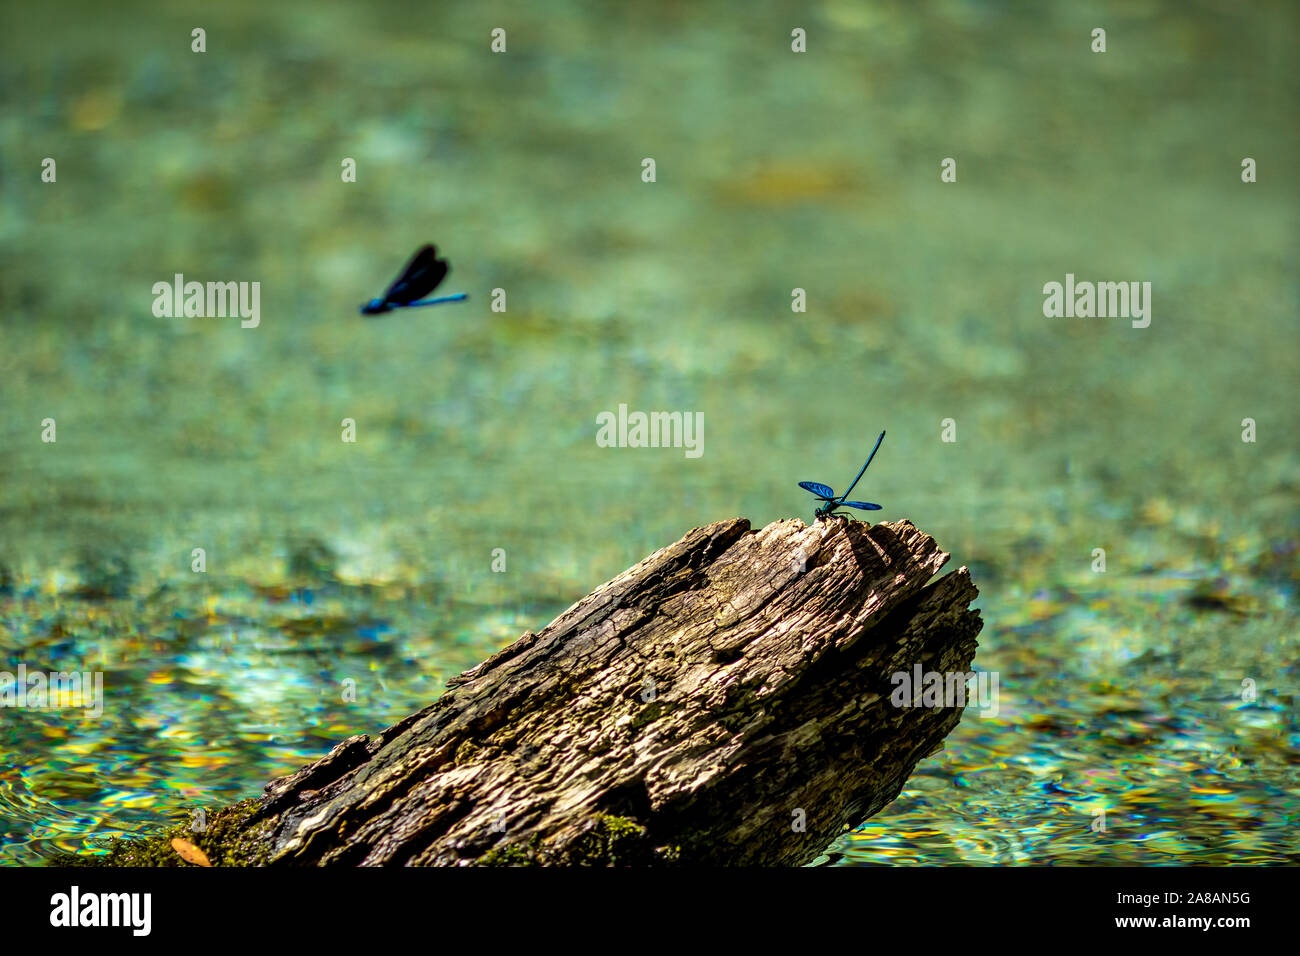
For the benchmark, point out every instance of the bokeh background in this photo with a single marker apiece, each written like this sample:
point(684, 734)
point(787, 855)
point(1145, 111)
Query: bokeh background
point(1120, 691)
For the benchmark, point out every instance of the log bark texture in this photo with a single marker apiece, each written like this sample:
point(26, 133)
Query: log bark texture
point(681, 713)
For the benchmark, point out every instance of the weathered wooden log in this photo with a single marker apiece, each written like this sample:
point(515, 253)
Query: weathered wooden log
point(684, 712)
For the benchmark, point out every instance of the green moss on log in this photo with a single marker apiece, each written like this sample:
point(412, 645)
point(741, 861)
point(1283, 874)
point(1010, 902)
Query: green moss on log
point(609, 841)
point(231, 838)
